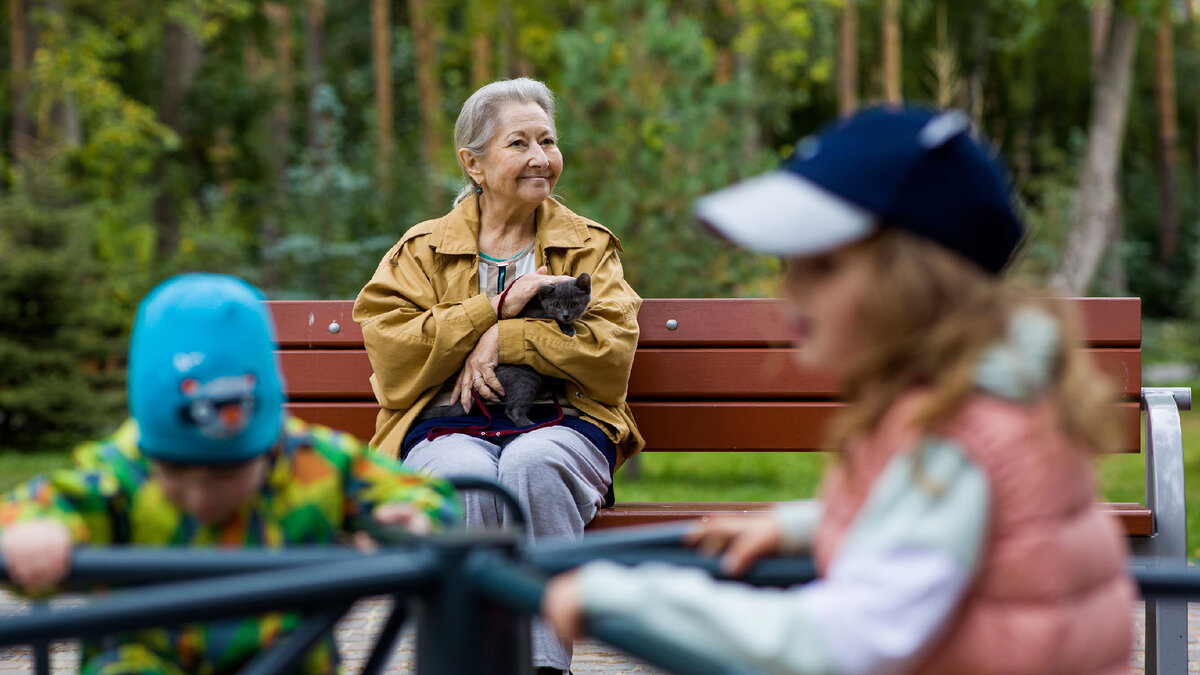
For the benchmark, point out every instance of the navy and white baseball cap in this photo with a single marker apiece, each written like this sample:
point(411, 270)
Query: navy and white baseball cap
point(910, 168)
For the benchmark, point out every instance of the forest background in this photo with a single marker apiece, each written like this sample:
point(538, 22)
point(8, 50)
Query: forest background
point(292, 142)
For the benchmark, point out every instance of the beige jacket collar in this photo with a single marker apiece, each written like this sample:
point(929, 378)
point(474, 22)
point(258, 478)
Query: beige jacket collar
point(457, 233)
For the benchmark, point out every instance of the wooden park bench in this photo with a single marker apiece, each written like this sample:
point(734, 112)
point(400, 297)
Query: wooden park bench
point(714, 375)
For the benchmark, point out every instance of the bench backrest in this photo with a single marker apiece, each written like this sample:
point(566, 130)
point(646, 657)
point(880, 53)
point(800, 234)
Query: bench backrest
point(710, 374)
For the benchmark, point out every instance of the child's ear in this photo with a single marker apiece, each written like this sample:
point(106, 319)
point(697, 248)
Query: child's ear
point(545, 291)
point(584, 282)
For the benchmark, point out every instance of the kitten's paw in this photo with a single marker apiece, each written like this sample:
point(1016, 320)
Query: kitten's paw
point(567, 329)
point(520, 419)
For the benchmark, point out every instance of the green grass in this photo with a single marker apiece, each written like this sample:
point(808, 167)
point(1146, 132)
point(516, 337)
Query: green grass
point(722, 476)
point(19, 466)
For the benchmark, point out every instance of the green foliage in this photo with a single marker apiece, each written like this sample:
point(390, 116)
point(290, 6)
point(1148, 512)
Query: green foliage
point(644, 129)
point(275, 178)
point(60, 350)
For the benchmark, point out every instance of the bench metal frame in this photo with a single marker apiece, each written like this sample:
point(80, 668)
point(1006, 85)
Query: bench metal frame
point(1166, 620)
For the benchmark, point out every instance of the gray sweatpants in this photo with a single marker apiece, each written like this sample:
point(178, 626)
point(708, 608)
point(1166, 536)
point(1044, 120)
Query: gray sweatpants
point(557, 474)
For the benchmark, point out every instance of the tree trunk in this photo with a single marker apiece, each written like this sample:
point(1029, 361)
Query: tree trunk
point(1022, 151)
point(1113, 279)
point(181, 59)
point(64, 124)
point(19, 50)
point(280, 17)
point(1168, 136)
point(978, 64)
point(1096, 200)
point(508, 28)
point(282, 74)
point(429, 94)
point(381, 59)
point(1100, 25)
point(314, 67)
point(848, 59)
point(891, 52)
point(482, 20)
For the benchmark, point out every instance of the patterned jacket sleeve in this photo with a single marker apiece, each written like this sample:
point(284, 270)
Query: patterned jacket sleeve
point(371, 479)
point(90, 499)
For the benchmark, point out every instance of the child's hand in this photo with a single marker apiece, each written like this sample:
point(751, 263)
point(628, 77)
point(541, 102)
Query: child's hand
point(562, 608)
point(743, 539)
point(405, 515)
point(37, 553)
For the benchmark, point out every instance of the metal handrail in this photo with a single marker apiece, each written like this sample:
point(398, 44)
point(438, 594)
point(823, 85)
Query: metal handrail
point(136, 566)
point(779, 572)
point(522, 588)
point(311, 587)
point(283, 657)
point(461, 483)
point(386, 639)
point(246, 582)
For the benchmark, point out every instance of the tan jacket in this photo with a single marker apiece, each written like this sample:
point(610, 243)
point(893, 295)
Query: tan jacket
point(422, 314)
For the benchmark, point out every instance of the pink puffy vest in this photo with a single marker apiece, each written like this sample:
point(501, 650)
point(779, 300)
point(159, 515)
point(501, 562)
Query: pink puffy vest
point(1052, 594)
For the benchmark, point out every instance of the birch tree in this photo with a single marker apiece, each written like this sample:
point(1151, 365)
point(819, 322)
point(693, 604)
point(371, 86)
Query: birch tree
point(1096, 198)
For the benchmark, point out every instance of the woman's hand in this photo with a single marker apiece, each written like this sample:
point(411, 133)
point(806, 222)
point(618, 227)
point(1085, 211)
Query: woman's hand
point(523, 289)
point(562, 608)
point(37, 553)
point(479, 371)
point(742, 540)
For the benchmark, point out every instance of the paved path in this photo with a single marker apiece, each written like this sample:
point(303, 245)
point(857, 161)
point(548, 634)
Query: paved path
point(356, 632)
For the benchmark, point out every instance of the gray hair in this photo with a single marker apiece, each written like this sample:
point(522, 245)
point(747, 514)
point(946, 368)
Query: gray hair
point(477, 120)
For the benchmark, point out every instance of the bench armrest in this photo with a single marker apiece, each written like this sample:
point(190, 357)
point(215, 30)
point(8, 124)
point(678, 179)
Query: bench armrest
point(1164, 472)
point(1166, 620)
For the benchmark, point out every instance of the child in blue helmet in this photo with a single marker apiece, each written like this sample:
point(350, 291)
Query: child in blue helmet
point(209, 458)
point(957, 532)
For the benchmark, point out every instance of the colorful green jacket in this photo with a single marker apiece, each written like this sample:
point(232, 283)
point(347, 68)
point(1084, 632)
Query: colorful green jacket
point(318, 481)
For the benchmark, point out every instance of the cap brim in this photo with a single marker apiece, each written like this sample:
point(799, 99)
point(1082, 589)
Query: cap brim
point(784, 214)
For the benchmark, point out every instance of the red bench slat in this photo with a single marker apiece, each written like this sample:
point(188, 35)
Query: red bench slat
point(1135, 518)
point(756, 373)
point(741, 322)
point(758, 426)
point(724, 322)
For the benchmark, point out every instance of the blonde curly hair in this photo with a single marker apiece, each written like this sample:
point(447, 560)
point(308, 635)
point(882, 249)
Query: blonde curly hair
point(926, 325)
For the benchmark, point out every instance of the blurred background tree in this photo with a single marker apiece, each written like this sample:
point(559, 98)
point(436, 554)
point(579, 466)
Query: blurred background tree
point(293, 141)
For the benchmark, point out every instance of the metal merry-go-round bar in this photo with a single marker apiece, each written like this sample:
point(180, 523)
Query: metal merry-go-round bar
point(478, 588)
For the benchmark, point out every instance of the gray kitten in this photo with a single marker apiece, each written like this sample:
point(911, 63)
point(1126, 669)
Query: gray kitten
point(564, 302)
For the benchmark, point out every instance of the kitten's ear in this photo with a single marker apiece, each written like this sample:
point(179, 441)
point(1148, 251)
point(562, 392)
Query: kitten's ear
point(584, 282)
point(545, 291)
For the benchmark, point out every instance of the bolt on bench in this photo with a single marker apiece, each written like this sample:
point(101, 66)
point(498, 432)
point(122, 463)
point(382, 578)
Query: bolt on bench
point(714, 374)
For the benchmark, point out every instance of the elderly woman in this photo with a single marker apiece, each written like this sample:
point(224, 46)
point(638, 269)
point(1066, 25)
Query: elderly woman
point(436, 325)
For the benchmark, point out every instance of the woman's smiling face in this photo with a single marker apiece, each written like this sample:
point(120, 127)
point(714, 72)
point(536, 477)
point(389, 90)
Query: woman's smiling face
point(522, 162)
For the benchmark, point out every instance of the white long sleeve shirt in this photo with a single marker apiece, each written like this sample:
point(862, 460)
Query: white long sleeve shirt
point(906, 563)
